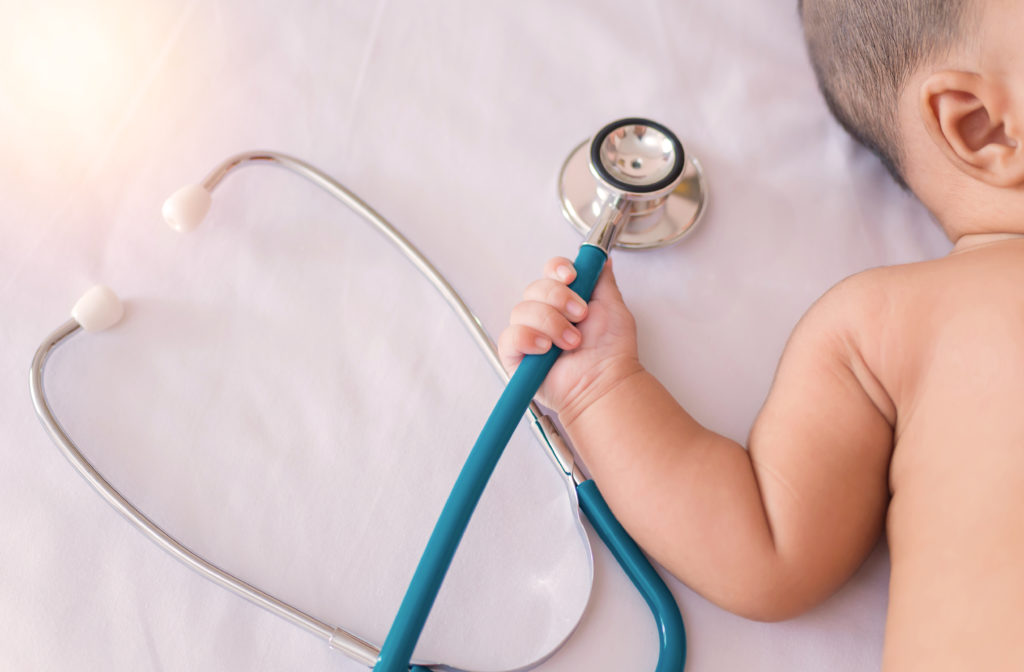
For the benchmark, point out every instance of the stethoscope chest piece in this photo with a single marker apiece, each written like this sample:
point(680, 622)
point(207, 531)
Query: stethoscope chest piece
point(642, 162)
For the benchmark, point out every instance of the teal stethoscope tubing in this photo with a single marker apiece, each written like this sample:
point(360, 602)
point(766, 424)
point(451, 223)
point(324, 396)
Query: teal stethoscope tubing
point(469, 486)
point(671, 633)
point(412, 614)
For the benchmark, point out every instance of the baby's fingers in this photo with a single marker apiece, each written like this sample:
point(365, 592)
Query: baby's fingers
point(561, 269)
point(558, 296)
point(519, 340)
point(548, 322)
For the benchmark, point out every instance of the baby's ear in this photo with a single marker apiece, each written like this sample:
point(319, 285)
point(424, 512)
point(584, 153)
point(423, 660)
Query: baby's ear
point(972, 122)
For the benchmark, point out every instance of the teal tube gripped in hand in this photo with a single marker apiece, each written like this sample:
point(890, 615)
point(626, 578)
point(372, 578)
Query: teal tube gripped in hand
point(405, 631)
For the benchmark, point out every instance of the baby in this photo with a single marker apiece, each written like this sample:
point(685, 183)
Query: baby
point(898, 404)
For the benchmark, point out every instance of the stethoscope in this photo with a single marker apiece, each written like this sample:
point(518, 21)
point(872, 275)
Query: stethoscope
point(631, 185)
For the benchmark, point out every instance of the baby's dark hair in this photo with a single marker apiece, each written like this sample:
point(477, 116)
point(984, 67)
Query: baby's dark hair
point(863, 52)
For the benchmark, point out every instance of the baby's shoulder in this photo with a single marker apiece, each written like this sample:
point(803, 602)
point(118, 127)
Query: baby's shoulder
point(886, 305)
point(890, 288)
point(858, 297)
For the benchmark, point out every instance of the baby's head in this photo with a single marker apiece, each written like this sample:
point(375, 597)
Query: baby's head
point(935, 88)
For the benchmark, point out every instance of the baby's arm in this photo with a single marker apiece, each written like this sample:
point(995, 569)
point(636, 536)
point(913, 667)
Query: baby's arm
point(765, 532)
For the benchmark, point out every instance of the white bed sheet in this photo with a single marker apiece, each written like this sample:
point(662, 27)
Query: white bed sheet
point(452, 119)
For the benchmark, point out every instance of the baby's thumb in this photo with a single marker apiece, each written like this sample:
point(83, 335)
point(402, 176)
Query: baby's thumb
point(607, 289)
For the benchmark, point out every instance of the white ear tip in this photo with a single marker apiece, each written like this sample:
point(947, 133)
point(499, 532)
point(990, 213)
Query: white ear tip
point(98, 309)
point(186, 207)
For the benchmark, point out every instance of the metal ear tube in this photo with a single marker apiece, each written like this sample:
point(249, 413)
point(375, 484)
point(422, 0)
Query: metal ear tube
point(630, 186)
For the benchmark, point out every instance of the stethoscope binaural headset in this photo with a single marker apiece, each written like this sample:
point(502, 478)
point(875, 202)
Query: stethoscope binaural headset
point(648, 194)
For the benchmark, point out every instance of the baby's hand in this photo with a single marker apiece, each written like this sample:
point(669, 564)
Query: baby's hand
point(600, 350)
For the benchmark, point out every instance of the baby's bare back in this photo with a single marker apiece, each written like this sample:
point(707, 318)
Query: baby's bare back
point(947, 344)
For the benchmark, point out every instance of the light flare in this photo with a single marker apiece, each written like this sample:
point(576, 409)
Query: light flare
point(68, 67)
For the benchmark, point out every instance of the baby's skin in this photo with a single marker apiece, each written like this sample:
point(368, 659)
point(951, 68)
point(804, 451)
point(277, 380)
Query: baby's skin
point(898, 406)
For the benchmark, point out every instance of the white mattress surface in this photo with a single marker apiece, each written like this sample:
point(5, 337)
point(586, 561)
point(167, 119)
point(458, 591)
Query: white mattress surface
point(289, 397)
